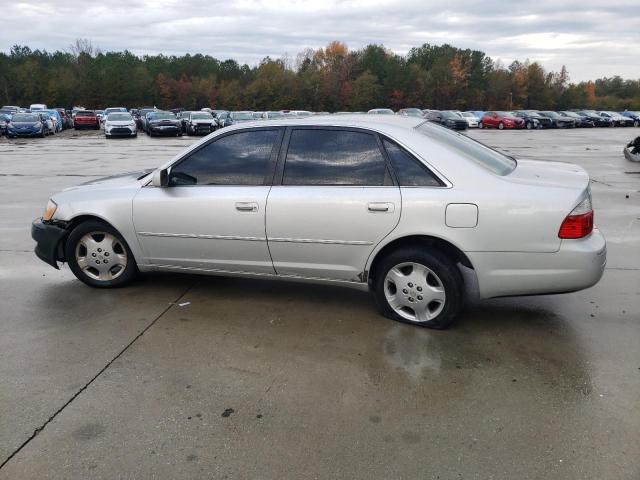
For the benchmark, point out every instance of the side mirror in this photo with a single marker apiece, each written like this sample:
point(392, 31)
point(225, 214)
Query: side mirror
point(160, 178)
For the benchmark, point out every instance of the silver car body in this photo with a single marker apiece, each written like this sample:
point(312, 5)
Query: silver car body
point(505, 226)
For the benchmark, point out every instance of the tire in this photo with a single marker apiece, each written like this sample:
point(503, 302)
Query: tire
point(42, 134)
point(431, 269)
point(501, 126)
point(529, 125)
point(480, 125)
point(81, 255)
point(636, 123)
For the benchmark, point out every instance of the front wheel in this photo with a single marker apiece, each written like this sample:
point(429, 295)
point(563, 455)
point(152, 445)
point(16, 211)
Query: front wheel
point(529, 125)
point(419, 287)
point(99, 256)
point(480, 125)
point(501, 126)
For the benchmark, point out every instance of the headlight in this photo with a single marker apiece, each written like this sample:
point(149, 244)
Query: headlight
point(50, 210)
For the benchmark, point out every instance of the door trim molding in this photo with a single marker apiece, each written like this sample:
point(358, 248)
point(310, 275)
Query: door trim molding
point(202, 237)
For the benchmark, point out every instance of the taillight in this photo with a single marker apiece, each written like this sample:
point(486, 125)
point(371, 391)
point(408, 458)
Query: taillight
point(579, 223)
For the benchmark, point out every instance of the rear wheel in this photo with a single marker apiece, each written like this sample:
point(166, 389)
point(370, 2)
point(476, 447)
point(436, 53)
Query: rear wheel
point(529, 125)
point(98, 255)
point(480, 125)
point(501, 126)
point(419, 287)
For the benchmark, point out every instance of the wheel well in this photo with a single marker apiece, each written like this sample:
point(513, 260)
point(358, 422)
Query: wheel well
point(70, 225)
point(451, 251)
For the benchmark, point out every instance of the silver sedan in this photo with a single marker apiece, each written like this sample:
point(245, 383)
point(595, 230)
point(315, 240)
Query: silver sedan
point(420, 215)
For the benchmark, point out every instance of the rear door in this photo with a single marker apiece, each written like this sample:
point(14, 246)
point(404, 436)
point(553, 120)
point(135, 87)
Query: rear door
point(333, 200)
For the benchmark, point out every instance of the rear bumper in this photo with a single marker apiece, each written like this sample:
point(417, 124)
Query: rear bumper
point(47, 237)
point(577, 265)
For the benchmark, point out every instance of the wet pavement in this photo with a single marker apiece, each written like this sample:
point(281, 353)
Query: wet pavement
point(270, 380)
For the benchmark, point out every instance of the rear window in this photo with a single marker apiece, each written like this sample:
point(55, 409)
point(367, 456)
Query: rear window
point(85, 114)
point(485, 156)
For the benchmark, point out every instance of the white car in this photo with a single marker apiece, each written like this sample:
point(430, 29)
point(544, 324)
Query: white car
point(120, 124)
point(418, 214)
point(472, 120)
point(381, 111)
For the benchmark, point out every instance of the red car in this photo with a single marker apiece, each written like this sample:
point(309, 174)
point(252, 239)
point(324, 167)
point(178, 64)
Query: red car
point(501, 120)
point(86, 119)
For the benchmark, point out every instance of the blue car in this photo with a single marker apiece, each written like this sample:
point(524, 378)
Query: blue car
point(27, 125)
point(4, 120)
point(634, 115)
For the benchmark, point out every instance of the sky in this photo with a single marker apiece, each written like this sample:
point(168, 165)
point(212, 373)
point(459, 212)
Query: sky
point(593, 38)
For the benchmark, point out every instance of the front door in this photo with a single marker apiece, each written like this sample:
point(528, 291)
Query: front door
point(212, 215)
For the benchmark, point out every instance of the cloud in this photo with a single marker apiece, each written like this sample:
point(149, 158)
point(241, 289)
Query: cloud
point(593, 38)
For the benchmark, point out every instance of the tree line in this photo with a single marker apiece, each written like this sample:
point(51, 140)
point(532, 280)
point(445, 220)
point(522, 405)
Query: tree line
point(331, 79)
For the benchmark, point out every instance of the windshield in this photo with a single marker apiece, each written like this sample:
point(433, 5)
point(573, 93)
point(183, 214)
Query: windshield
point(242, 115)
point(570, 114)
point(201, 116)
point(163, 116)
point(114, 109)
point(550, 114)
point(450, 115)
point(257, 115)
point(468, 115)
point(118, 117)
point(487, 157)
point(25, 117)
point(275, 115)
point(506, 114)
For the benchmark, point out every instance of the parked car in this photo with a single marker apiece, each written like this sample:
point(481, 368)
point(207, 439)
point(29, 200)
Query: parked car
point(617, 119)
point(557, 120)
point(67, 121)
point(183, 116)
point(10, 109)
point(501, 121)
point(273, 115)
point(48, 121)
point(410, 112)
point(100, 115)
point(300, 113)
point(86, 119)
point(381, 111)
point(448, 119)
point(635, 116)
point(37, 106)
point(432, 214)
point(55, 117)
point(258, 115)
point(241, 117)
point(223, 117)
point(162, 123)
point(597, 120)
point(199, 123)
point(28, 125)
point(532, 119)
point(141, 117)
point(582, 121)
point(472, 120)
point(110, 110)
point(4, 121)
point(120, 124)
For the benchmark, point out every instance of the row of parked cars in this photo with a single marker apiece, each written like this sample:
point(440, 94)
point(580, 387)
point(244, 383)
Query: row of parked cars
point(35, 121)
point(523, 119)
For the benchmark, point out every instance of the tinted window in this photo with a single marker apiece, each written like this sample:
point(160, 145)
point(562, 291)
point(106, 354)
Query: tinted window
point(409, 171)
point(238, 159)
point(333, 157)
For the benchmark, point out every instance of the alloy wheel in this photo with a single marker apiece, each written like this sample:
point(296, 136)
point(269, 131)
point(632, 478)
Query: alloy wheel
point(101, 256)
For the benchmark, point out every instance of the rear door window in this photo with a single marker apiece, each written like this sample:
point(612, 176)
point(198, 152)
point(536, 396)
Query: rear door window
point(409, 171)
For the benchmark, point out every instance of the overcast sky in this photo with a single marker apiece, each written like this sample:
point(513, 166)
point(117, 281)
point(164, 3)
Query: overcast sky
point(593, 38)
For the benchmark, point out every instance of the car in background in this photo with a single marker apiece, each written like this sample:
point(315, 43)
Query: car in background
point(110, 110)
point(478, 113)
point(120, 124)
point(418, 215)
point(501, 120)
point(56, 117)
point(472, 120)
point(241, 117)
point(28, 125)
point(617, 119)
point(258, 115)
point(597, 120)
point(67, 121)
point(532, 119)
point(5, 118)
point(273, 115)
point(557, 120)
point(448, 118)
point(100, 114)
point(141, 117)
point(300, 113)
point(198, 123)
point(582, 121)
point(633, 115)
point(10, 109)
point(183, 116)
point(381, 111)
point(411, 112)
point(86, 119)
point(223, 117)
point(37, 106)
point(163, 123)
point(49, 121)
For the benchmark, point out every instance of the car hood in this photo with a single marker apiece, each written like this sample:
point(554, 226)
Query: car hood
point(552, 174)
point(26, 124)
point(113, 180)
point(166, 120)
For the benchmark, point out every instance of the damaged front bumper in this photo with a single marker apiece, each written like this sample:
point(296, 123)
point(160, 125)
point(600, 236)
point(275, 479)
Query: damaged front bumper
point(48, 237)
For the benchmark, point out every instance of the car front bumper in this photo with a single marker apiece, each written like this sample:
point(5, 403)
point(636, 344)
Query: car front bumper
point(48, 237)
point(578, 264)
point(165, 129)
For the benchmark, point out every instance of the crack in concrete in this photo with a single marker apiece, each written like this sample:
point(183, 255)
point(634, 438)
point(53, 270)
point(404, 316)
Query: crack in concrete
point(94, 378)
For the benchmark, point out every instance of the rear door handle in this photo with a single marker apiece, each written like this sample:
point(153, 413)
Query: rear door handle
point(247, 206)
point(380, 207)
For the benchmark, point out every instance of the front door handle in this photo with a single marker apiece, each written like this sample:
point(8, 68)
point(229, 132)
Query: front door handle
point(247, 206)
point(380, 207)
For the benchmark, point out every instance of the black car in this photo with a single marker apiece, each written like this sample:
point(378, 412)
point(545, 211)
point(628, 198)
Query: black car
point(532, 119)
point(557, 120)
point(448, 119)
point(597, 120)
point(163, 123)
point(582, 121)
point(199, 123)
